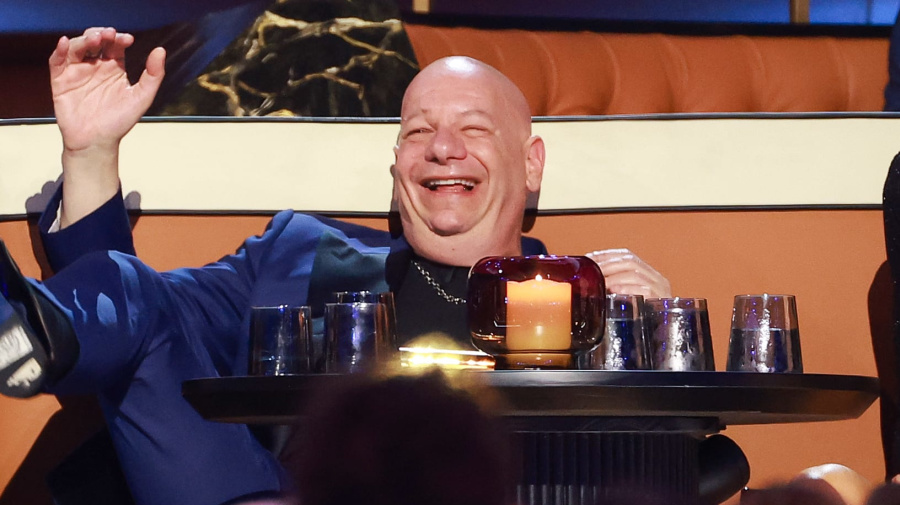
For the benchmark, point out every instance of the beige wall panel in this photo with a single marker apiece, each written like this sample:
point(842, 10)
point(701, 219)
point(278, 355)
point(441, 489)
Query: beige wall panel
point(272, 165)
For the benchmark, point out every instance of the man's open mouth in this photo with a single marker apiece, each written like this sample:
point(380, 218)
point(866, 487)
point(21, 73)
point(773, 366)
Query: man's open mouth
point(450, 184)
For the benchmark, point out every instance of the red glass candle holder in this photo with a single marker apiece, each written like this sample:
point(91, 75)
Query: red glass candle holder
point(536, 311)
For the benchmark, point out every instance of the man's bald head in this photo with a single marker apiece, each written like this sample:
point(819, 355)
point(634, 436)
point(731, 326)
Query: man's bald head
point(492, 82)
point(466, 161)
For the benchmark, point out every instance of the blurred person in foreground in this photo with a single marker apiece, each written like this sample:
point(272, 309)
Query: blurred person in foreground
point(107, 324)
point(885, 494)
point(402, 440)
point(827, 484)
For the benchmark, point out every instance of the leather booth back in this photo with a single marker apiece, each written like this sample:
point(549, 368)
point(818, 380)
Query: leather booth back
point(588, 73)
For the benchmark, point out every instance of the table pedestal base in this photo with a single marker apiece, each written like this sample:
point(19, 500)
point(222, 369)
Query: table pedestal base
point(594, 468)
point(583, 464)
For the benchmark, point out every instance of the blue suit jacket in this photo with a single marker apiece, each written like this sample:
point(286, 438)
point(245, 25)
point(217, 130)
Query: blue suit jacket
point(142, 333)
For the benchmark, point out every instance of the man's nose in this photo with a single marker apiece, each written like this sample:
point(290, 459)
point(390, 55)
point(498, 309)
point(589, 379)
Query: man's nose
point(445, 146)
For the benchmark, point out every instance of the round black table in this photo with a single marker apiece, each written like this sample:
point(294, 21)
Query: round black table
point(727, 397)
point(579, 433)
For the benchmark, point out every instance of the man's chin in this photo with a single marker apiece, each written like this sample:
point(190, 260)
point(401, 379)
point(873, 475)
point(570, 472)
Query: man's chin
point(447, 232)
point(429, 231)
point(447, 226)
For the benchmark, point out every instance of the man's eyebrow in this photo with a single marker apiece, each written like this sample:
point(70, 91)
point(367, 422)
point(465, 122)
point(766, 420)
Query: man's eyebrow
point(411, 117)
point(477, 112)
point(483, 117)
point(466, 114)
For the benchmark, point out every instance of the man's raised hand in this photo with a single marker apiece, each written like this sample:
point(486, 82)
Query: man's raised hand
point(95, 104)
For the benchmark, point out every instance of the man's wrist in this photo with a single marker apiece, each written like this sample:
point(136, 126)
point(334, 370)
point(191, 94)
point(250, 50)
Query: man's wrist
point(90, 179)
point(101, 153)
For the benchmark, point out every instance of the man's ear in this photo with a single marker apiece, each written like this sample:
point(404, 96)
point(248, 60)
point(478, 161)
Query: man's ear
point(394, 204)
point(534, 163)
point(394, 224)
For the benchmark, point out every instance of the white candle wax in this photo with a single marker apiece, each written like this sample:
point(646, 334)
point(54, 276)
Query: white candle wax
point(538, 315)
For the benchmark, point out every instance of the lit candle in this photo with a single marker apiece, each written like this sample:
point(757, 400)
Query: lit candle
point(538, 315)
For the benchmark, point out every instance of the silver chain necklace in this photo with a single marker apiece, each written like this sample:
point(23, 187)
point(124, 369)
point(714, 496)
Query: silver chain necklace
point(455, 300)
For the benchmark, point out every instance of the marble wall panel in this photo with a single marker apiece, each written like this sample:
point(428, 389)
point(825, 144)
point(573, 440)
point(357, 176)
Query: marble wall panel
point(329, 58)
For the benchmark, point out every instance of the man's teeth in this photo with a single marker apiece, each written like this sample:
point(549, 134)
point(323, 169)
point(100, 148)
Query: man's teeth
point(467, 184)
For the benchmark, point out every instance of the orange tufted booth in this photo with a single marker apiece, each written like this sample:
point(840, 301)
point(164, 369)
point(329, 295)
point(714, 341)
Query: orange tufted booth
point(589, 73)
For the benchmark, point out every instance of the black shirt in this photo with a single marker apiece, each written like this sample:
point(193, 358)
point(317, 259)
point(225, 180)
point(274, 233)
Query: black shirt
point(422, 310)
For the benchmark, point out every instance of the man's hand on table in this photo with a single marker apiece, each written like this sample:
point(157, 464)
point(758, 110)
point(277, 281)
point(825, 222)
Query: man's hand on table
point(95, 107)
point(627, 274)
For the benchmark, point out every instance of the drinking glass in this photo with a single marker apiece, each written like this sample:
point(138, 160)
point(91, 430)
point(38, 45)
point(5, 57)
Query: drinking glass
point(386, 298)
point(623, 346)
point(280, 340)
point(678, 333)
point(764, 335)
point(357, 337)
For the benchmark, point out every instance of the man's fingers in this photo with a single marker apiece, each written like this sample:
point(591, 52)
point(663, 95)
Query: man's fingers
point(625, 283)
point(156, 63)
point(84, 46)
point(634, 289)
point(607, 253)
point(633, 277)
point(610, 267)
point(647, 291)
point(57, 61)
point(115, 50)
point(628, 263)
point(113, 44)
point(93, 30)
point(152, 77)
point(612, 256)
point(95, 43)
